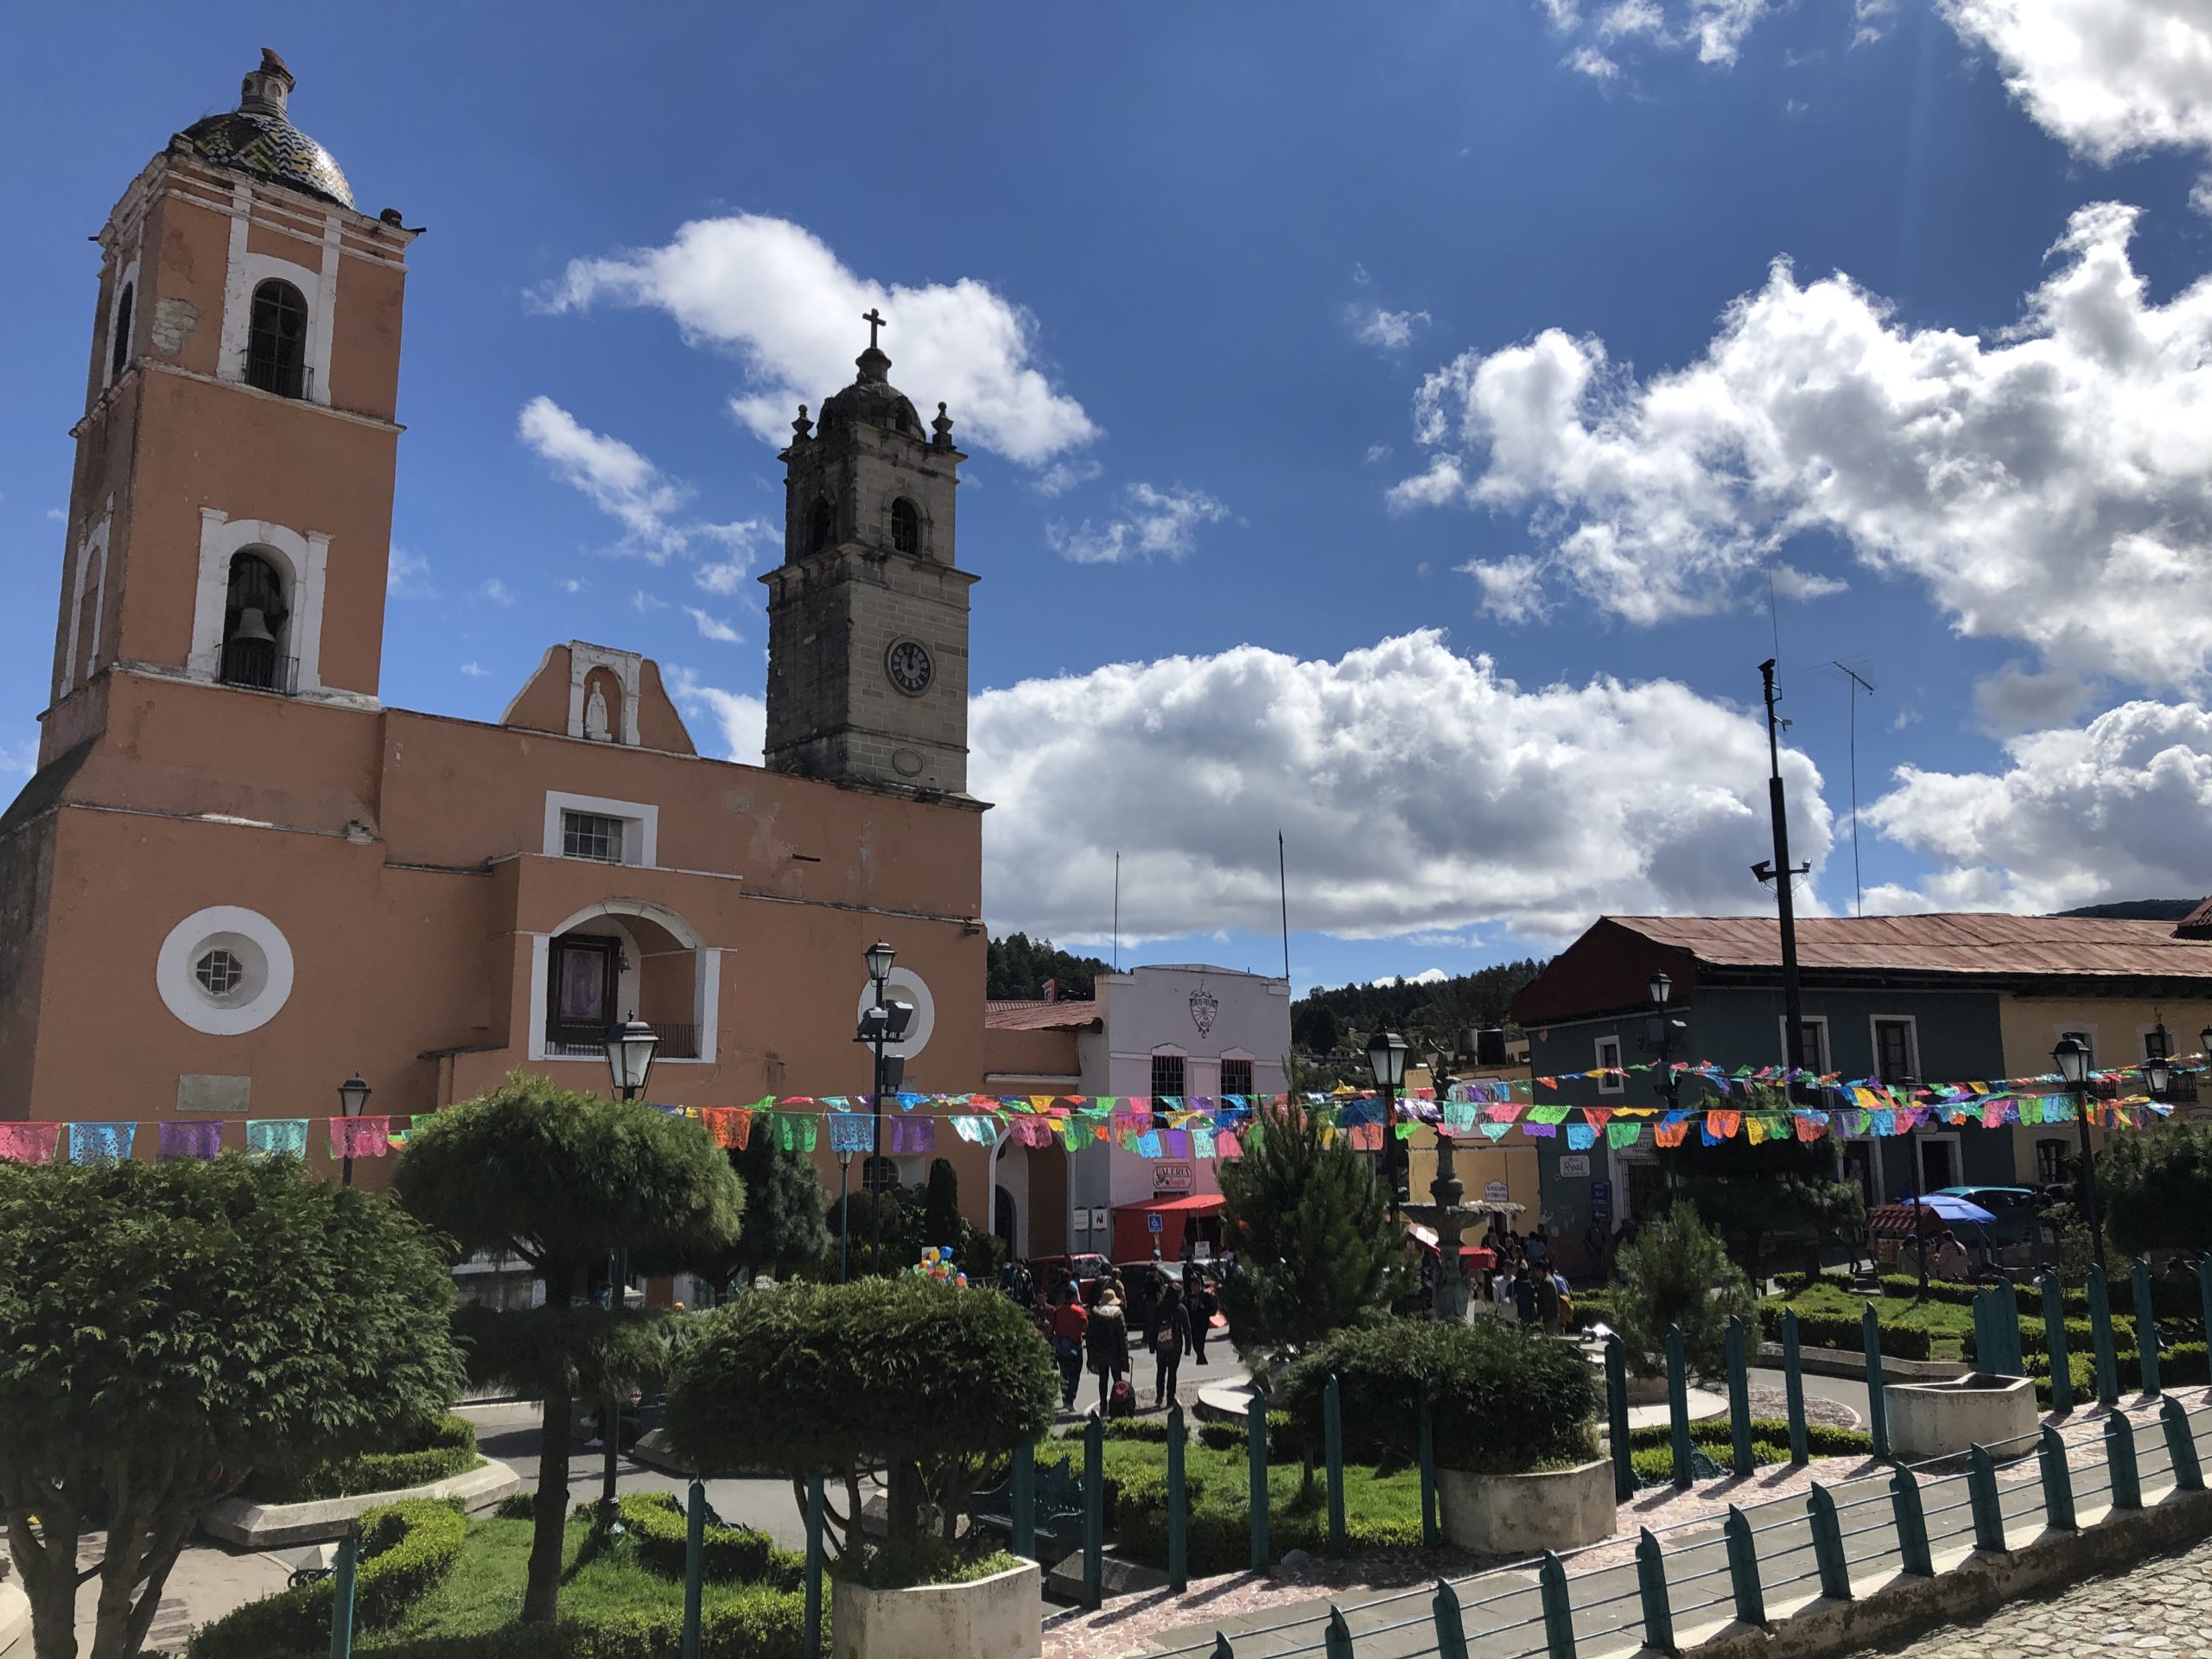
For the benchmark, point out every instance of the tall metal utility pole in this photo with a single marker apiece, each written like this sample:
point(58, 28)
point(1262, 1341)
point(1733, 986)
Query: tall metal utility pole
point(1782, 874)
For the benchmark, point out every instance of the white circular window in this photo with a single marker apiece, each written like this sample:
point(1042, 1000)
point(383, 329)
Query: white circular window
point(224, 970)
point(905, 986)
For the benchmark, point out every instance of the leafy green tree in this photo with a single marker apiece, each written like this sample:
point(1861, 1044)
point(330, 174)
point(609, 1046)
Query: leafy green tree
point(1309, 1226)
point(1316, 1028)
point(2155, 1189)
point(1749, 1194)
point(562, 1180)
point(941, 1220)
point(926, 1381)
point(1018, 967)
point(783, 1228)
point(1679, 1274)
point(165, 1327)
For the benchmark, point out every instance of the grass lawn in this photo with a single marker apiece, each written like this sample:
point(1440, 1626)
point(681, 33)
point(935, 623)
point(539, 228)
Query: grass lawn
point(483, 1593)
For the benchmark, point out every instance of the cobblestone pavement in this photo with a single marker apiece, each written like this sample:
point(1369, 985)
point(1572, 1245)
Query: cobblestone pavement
point(2162, 1605)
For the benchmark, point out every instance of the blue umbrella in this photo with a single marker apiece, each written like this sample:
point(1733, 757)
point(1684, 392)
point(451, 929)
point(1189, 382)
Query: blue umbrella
point(1944, 1207)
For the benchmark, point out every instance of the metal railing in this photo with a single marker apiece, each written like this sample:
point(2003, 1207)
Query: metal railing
point(568, 1041)
point(257, 667)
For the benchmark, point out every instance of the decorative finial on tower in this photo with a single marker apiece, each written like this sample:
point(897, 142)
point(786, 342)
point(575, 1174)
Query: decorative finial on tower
point(942, 426)
point(873, 364)
point(265, 88)
point(801, 428)
point(874, 320)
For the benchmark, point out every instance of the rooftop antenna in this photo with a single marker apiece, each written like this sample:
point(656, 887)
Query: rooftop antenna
point(1283, 883)
point(1117, 912)
point(1859, 683)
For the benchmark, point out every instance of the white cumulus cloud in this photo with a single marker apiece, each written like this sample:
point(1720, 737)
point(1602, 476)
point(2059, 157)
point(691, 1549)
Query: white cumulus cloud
point(2051, 483)
point(497, 591)
point(712, 626)
point(1152, 523)
point(775, 294)
point(1589, 61)
point(1790, 583)
point(1389, 331)
point(408, 577)
point(1420, 791)
point(2113, 810)
point(740, 721)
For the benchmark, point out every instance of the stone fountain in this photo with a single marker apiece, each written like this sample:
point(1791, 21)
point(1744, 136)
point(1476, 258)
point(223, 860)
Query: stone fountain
point(1450, 1215)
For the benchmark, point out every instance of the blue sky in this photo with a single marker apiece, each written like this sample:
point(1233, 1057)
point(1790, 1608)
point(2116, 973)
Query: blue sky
point(1387, 424)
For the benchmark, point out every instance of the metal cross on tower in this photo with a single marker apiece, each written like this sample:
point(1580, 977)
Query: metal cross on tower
point(874, 320)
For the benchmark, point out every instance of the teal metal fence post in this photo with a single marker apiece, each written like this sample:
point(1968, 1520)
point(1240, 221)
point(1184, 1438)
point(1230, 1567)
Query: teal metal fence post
point(2013, 1351)
point(1336, 1640)
point(1678, 1405)
point(2204, 1285)
point(1559, 1613)
point(1023, 1500)
point(1451, 1628)
point(1739, 1399)
point(811, 1646)
point(1913, 1554)
point(2100, 1337)
point(1793, 1386)
point(1094, 1514)
point(1744, 1569)
point(1425, 1455)
point(2180, 1446)
point(341, 1597)
point(1179, 1508)
point(1981, 1500)
point(2147, 1327)
point(1332, 1444)
point(2054, 1341)
point(2057, 1480)
point(1617, 1418)
point(1255, 1475)
point(1651, 1589)
point(1984, 1355)
point(1877, 1407)
point(1827, 1543)
point(1221, 1648)
point(695, 1564)
point(2120, 1454)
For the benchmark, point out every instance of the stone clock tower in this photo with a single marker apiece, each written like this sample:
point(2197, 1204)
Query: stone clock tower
point(868, 618)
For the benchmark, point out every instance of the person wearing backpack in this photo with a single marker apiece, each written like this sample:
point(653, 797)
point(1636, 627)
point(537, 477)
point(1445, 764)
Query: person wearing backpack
point(1106, 1343)
point(1171, 1336)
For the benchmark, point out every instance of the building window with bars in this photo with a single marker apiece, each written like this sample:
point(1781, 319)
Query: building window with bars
point(1166, 1075)
point(1894, 1059)
point(1236, 1077)
point(277, 341)
point(2051, 1162)
point(1608, 1061)
point(879, 1175)
point(589, 835)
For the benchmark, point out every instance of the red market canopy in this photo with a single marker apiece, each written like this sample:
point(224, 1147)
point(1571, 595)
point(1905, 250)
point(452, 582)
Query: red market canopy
point(1194, 1204)
point(1426, 1238)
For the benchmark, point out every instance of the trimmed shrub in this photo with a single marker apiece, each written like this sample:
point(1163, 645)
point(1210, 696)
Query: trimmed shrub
point(1596, 1308)
point(1679, 1276)
point(433, 1451)
point(1836, 1330)
point(730, 1554)
point(406, 1549)
point(1821, 1440)
point(1503, 1403)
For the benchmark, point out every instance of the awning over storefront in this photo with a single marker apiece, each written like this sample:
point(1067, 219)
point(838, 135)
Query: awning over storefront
point(1426, 1238)
point(1134, 1239)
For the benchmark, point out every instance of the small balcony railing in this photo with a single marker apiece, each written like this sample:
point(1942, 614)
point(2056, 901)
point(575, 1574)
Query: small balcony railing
point(566, 1041)
point(250, 664)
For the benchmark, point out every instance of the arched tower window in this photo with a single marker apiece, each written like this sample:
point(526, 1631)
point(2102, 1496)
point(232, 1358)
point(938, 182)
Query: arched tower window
point(120, 347)
point(820, 527)
point(254, 614)
point(276, 340)
point(906, 527)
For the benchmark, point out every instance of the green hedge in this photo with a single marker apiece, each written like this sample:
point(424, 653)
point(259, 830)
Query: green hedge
point(1502, 1401)
point(1596, 1308)
point(751, 1624)
point(2171, 1299)
point(406, 1549)
point(1821, 1440)
point(442, 1447)
point(1834, 1331)
point(1218, 1535)
point(730, 1554)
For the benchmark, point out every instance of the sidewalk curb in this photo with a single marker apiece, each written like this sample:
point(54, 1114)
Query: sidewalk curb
point(248, 1525)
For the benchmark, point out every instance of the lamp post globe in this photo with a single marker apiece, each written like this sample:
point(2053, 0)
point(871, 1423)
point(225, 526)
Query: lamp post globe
point(630, 1048)
point(1661, 987)
point(879, 957)
point(1386, 1058)
point(2158, 1073)
point(353, 1094)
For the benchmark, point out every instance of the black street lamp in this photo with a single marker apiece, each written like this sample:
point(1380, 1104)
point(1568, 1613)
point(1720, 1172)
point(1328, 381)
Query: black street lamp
point(2072, 1057)
point(844, 1215)
point(881, 1024)
point(629, 1047)
point(2157, 1072)
point(1386, 1058)
point(1662, 989)
point(353, 1094)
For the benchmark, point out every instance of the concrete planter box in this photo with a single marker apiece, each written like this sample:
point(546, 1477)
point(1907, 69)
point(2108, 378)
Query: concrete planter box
point(999, 1617)
point(276, 1526)
point(14, 1615)
point(1513, 1515)
point(1935, 1420)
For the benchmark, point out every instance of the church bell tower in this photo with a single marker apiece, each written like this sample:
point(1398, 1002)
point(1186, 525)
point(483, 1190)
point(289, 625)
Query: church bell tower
point(868, 618)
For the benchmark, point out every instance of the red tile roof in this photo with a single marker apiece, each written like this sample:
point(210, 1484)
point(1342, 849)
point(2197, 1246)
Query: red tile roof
point(1981, 943)
point(1068, 1015)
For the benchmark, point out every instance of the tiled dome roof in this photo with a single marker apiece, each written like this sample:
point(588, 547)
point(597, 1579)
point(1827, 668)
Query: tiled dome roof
point(272, 148)
point(872, 399)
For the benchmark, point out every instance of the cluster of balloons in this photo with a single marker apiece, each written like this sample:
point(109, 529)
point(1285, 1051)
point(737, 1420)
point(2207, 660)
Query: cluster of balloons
point(936, 1263)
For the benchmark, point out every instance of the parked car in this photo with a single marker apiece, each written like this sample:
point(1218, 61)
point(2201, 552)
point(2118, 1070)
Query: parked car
point(2015, 1208)
point(1086, 1269)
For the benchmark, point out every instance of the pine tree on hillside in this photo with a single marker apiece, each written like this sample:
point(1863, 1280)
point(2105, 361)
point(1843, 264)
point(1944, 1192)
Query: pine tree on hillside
point(1309, 1226)
point(1018, 967)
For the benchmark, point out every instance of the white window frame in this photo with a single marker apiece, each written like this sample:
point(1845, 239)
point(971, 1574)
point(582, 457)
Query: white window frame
point(1168, 1051)
point(1911, 1022)
point(1809, 1020)
point(705, 980)
point(628, 670)
point(1598, 1047)
point(128, 285)
point(1239, 1057)
point(248, 271)
point(640, 833)
point(1923, 1139)
point(301, 561)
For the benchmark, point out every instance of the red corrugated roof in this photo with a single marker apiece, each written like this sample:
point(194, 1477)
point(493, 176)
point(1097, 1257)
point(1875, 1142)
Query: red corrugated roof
point(1041, 1016)
point(1978, 943)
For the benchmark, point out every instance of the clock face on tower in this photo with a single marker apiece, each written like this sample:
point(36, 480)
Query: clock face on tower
point(909, 666)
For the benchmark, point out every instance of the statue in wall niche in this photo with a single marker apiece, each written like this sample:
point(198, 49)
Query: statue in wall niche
point(595, 725)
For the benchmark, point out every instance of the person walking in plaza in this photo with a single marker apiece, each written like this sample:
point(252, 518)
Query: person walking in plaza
point(1144, 1302)
point(1108, 1343)
point(1070, 1322)
point(1200, 1305)
point(1171, 1336)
